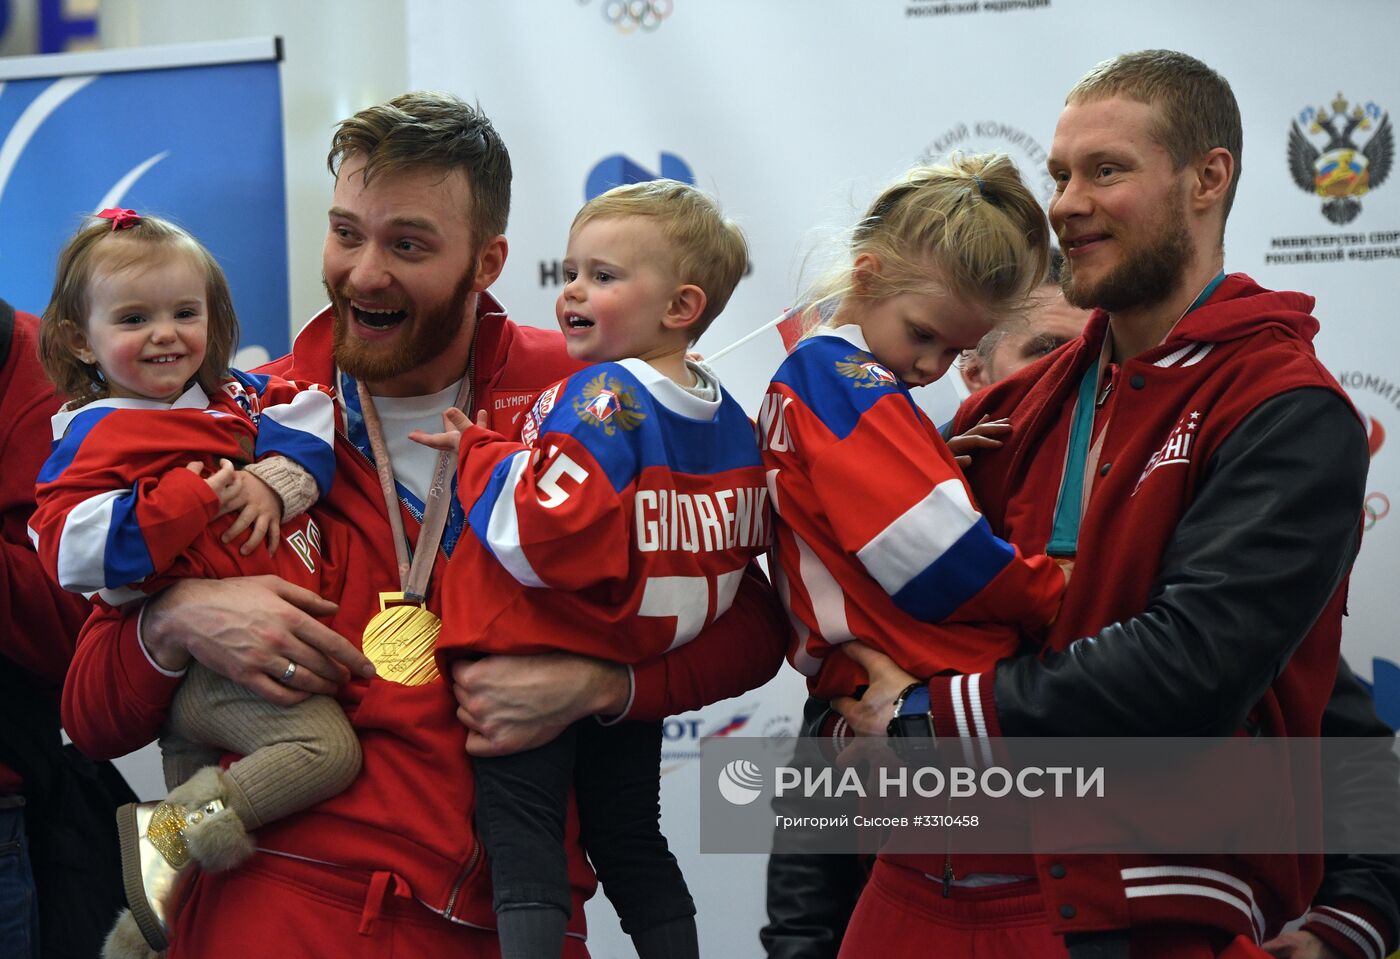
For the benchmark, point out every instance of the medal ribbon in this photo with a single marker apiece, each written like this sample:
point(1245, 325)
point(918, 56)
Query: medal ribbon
point(1079, 464)
point(401, 638)
point(413, 573)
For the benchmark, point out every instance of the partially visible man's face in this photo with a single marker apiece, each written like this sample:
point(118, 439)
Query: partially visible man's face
point(1051, 323)
point(399, 265)
point(1119, 208)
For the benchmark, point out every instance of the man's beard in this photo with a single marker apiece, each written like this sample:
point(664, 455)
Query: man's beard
point(429, 331)
point(1145, 278)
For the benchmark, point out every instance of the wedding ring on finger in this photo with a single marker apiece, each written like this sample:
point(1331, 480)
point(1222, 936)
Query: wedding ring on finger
point(290, 672)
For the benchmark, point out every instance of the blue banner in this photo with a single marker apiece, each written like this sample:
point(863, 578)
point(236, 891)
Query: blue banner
point(201, 145)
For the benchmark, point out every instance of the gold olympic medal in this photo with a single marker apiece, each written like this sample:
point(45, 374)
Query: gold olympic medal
point(400, 641)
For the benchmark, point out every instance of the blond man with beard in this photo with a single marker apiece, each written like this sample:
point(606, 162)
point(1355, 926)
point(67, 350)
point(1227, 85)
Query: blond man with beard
point(1205, 473)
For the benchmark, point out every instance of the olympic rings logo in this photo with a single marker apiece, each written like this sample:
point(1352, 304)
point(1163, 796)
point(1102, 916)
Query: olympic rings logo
point(629, 15)
point(1377, 508)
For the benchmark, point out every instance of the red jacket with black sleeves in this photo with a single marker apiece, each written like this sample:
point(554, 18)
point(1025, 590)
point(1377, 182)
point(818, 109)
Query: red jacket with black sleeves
point(1209, 582)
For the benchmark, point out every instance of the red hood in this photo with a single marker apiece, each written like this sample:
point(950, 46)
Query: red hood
point(1240, 307)
point(1237, 308)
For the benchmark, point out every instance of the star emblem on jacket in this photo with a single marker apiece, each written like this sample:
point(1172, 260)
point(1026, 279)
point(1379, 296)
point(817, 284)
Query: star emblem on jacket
point(865, 373)
point(1176, 451)
point(608, 403)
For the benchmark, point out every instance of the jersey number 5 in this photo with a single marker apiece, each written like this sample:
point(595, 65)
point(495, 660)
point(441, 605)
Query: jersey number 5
point(550, 492)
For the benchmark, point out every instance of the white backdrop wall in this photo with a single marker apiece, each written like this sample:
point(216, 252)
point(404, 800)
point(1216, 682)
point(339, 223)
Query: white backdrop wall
point(794, 112)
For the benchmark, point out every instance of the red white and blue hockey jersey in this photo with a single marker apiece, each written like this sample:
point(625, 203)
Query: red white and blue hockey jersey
point(118, 514)
point(618, 529)
point(878, 538)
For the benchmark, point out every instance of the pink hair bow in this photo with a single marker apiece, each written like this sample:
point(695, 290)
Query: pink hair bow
point(121, 219)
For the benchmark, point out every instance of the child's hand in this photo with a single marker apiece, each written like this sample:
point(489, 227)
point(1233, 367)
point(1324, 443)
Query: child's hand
point(224, 483)
point(455, 421)
point(986, 435)
point(260, 508)
point(1066, 565)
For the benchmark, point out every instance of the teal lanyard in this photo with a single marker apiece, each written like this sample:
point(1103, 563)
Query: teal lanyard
point(1064, 536)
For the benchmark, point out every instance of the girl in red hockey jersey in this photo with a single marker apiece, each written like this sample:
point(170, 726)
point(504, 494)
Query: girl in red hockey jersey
point(879, 539)
point(141, 489)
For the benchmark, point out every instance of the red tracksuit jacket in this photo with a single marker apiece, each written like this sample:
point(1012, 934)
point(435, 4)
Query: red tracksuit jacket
point(42, 620)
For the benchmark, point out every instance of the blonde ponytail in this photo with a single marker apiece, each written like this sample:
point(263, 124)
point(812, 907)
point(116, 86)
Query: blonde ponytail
point(968, 227)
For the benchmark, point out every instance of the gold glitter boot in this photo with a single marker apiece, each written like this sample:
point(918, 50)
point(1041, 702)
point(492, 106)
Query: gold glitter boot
point(159, 841)
point(154, 861)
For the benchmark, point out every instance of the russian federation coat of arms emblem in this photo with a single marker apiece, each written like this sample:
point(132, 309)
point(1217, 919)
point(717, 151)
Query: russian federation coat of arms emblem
point(1341, 172)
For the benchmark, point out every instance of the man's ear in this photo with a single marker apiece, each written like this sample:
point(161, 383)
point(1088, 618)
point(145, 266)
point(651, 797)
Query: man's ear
point(686, 307)
point(1214, 173)
point(973, 371)
point(490, 261)
point(866, 267)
